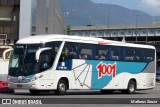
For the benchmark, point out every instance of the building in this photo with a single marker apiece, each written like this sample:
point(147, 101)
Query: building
point(142, 34)
point(22, 18)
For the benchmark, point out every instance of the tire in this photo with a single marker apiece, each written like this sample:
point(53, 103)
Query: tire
point(131, 88)
point(61, 87)
point(34, 92)
point(106, 91)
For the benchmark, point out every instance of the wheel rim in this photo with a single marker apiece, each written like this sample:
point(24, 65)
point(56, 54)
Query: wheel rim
point(131, 88)
point(62, 87)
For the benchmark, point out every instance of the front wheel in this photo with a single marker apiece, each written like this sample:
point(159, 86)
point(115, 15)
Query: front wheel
point(61, 87)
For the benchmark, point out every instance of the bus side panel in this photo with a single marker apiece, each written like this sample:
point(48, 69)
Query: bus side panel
point(85, 74)
point(148, 77)
point(79, 76)
point(59, 74)
point(115, 74)
point(82, 74)
point(121, 81)
point(146, 81)
point(3, 70)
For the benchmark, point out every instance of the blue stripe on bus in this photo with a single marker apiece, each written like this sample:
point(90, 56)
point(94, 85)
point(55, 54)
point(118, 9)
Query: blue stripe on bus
point(121, 67)
point(30, 76)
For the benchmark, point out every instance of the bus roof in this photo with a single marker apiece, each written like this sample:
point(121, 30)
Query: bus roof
point(57, 37)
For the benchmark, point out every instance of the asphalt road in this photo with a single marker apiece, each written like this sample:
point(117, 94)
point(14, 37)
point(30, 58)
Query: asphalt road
point(86, 98)
point(153, 93)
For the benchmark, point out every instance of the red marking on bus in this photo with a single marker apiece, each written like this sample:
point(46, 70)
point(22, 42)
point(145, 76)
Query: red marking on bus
point(102, 43)
point(104, 69)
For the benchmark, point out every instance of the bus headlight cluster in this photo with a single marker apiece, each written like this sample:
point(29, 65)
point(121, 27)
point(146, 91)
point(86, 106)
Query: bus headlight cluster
point(10, 78)
point(33, 85)
point(36, 77)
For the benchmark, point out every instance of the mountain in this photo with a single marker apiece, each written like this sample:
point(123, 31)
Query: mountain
point(157, 18)
point(86, 12)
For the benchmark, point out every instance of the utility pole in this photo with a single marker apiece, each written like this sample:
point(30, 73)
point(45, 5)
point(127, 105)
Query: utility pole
point(109, 6)
point(136, 26)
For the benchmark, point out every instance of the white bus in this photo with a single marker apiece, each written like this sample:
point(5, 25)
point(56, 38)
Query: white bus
point(5, 51)
point(4, 61)
point(61, 63)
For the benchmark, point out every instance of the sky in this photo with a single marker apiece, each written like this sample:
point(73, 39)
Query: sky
point(152, 7)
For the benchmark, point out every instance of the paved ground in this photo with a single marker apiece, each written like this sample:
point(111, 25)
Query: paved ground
point(153, 93)
point(94, 97)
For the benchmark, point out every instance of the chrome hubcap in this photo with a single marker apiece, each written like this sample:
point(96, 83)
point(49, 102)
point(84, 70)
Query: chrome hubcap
point(62, 87)
point(131, 88)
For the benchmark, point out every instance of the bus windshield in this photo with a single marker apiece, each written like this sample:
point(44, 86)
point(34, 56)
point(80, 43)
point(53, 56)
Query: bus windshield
point(22, 61)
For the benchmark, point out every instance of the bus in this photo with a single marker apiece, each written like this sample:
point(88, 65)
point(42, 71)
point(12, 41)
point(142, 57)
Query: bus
point(62, 62)
point(4, 61)
point(158, 71)
point(5, 52)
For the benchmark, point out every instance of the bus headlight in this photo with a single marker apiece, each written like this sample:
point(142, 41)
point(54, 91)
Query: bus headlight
point(36, 77)
point(33, 85)
point(10, 78)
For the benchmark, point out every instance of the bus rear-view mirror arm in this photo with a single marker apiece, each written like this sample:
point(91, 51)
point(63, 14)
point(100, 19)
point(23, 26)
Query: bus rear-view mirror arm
point(5, 53)
point(40, 51)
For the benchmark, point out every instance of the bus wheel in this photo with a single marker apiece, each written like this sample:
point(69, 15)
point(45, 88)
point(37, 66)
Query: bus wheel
point(34, 92)
point(61, 87)
point(131, 87)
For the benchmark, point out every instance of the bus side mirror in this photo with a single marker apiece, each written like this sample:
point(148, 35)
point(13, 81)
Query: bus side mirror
point(6, 54)
point(40, 51)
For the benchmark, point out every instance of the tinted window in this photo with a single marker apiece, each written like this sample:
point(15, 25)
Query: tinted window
point(55, 46)
point(140, 55)
point(115, 53)
point(150, 54)
point(101, 52)
point(85, 51)
point(69, 51)
point(129, 54)
point(46, 60)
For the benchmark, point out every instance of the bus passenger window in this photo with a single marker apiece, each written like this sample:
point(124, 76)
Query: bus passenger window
point(85, 51)
point(46, 61)
point(139, 55)
point(63, 56)
point(115, 53)
point(101, 52)
point(83, 56)
point(129, 54)
point(102, 56)
point(68, 52)
point(72, 55)
point(150, 55)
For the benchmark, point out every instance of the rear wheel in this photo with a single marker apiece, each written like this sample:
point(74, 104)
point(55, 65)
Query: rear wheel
point(131, 87)
point(61, 87)
point(34, 92)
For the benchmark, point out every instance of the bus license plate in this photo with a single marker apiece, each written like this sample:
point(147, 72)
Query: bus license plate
point(19, 86)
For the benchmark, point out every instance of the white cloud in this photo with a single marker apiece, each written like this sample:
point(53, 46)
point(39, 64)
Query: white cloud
point(151, 6)
point(152, 3)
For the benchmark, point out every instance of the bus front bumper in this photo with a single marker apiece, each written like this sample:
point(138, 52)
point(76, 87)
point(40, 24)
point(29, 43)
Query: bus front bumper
point(30, 85)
